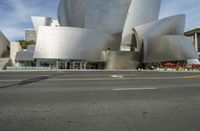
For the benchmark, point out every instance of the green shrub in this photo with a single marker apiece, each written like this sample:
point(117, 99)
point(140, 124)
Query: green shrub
point(24, 43)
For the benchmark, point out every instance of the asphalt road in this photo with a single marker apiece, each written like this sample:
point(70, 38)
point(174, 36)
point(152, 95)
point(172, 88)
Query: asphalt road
point(99, 101)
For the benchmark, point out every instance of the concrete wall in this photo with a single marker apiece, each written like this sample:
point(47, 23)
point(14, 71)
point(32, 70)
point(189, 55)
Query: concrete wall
point(4, 43)
point(14, 48)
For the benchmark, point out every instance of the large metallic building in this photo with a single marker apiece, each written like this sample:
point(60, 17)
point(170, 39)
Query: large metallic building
point(119, 33)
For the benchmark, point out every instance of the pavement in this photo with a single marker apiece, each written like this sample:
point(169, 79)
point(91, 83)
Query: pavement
point(99, 101)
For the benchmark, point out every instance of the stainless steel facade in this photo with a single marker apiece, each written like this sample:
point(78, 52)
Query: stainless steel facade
point(118, 60)
point(95, 30)
point(168, 48)
point(40, 21)
point(173, 25)
point(73, 44)
point(140, 12)
point(101, 15)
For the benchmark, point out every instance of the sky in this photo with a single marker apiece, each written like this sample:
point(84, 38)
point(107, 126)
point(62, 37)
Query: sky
point(15, 14)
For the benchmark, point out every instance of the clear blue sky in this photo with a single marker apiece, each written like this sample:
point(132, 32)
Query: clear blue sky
point(15, 14)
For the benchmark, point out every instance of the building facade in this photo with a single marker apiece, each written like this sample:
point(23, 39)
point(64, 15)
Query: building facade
point(194, 34)
point(4, 51)
point(30, 34)
point(4, 44)
point(114, 34)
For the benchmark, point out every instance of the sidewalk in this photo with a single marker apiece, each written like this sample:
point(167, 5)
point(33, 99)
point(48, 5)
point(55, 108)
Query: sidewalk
point(98, 71)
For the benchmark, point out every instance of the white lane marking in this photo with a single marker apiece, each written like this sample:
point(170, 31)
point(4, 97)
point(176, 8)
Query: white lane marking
point(117, 76)
point(133, 89)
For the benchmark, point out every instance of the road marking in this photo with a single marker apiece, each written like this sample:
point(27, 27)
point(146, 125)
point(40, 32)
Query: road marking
point(133, 89)
point(193, 76)
point(117, 76)
point(108, 79)
point(22, 75)
point(118, 79)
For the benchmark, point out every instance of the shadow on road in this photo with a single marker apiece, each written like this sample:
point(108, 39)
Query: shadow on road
point(33, 80)
point(30, 81)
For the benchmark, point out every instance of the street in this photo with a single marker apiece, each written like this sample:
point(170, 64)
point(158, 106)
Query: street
point(99, 101)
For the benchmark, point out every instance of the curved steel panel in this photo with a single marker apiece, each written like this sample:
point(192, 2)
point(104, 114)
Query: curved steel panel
point(173, 25)
point(40, 21)
point(102, 15)
point(72, 43)
point(140, 12)
point(122, 60)
point(61, 13)
point(71, 13)
point(168, 48)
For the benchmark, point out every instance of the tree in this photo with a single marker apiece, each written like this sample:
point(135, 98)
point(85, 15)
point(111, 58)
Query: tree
point(24, 43)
